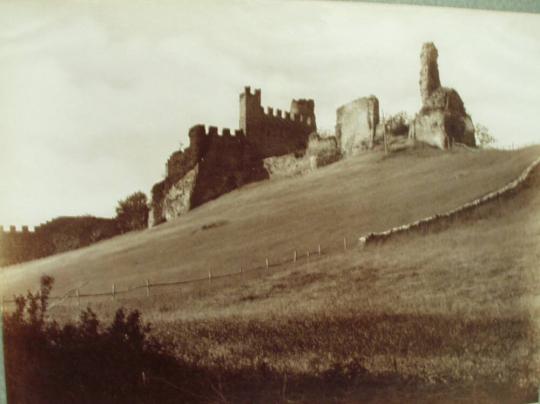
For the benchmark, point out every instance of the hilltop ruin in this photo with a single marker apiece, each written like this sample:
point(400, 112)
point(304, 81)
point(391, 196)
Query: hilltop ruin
point(442, 120)
point(214, 164)
point(274, 142)
point(356, 125)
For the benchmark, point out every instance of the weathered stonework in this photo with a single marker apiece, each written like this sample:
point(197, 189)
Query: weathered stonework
point(442, 119)
point(214, 164)
point(178, 200)
point(320, 151)
point(274, 133)
point(356, 123)
point(429, 71)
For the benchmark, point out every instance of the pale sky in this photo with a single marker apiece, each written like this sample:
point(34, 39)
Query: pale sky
point(94, 96)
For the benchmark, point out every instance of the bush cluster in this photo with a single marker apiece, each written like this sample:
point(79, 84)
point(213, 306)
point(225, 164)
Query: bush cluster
point(86, 361)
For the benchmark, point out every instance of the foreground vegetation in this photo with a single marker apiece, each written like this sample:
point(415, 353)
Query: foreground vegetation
point(449, 316)
point(321, 357)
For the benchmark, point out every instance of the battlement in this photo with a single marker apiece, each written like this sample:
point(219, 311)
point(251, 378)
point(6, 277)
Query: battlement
point(256, 93)
point(225, 159)
point(254, 117)
point(288, 117)
point(13, 230)
point(214, 131)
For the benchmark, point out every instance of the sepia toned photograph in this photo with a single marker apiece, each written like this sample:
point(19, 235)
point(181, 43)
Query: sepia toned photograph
point(269, 201)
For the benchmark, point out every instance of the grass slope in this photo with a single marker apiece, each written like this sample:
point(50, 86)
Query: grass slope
point(355, 196)
point(457, 309)
point(451, 316)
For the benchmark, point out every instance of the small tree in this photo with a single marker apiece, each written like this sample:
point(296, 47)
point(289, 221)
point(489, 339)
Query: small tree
point(483, 138)
point(398, 124)
point(132, 212)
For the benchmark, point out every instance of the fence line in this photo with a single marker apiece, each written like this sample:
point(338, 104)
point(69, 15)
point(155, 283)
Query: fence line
point(115, 291)
point(295, 257)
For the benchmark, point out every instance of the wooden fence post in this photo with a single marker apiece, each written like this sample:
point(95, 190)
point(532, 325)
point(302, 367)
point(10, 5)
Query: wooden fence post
point(294, 257)
point(307, 256)
point(147, 288)
point(210, 277)
point(384, 135)
point(267, 263)
point(319, 249)
point(344, 243)
point(113, 291)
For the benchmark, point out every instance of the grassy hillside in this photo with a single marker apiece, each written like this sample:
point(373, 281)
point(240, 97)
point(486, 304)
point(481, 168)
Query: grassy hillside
point(365, 193)
point(449, 316)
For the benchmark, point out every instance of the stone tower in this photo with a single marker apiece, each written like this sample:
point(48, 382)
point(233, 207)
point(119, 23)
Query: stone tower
point(305, 108)
point(250, 109)
point(442, 121)
point(276, 132)
point(429, 71)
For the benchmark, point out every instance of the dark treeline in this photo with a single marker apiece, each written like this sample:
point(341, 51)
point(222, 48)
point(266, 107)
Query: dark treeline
point(72, 232)
point(58, 235)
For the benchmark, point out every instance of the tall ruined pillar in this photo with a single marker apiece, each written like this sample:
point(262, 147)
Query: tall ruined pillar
point(429, 71)
point(442, 118)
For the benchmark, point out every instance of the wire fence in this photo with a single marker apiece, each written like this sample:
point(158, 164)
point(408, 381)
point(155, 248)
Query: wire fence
point(295, 257)
point(148, 288)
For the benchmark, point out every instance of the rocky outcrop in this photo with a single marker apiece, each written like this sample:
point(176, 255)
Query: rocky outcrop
point(442, 119)
point(212, 165)
point(177, 201)
point(356, 123)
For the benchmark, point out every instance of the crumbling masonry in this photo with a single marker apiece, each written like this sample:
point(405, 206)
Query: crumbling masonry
point(442, 120)
point(214, 164)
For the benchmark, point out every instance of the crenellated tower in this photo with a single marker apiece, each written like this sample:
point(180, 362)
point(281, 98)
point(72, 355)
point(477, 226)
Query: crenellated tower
point(275, 132)
point(251, 109)
point(215, 163)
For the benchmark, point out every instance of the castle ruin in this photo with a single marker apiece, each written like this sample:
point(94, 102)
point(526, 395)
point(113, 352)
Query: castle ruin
point(214, 163)
point(276, 132)
point(442, 120)
point(356, 124)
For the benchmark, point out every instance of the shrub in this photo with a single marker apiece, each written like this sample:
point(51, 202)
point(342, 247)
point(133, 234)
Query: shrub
point(83, 361)
point(398, 124)
point(484, 139)
point(132, 212)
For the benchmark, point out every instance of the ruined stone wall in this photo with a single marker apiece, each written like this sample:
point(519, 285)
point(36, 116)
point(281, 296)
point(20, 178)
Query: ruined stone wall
point(423, 225)
point(429, 71)
point(55, 236)
point(356, 123)
point(442, 119)
point(275, 132)
point(228, 163)
point(321, 151)
point(16, 246)
point(212, 165)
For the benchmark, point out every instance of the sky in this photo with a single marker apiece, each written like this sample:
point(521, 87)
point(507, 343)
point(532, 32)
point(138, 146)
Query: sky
point(94, 96)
